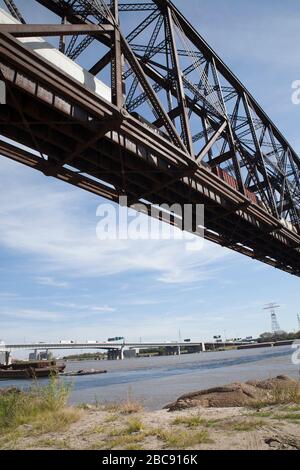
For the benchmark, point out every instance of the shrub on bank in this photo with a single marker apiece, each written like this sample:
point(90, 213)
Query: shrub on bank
point(19, 407)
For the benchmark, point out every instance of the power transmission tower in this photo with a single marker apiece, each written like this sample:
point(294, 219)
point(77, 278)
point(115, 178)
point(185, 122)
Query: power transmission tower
point(275, 325)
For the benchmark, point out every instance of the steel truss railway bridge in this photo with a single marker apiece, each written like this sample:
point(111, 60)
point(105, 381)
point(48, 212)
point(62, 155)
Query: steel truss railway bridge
point(175, 125)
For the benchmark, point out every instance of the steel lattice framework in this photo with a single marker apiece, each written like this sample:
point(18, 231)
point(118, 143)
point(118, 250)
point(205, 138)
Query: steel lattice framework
point(199, 134)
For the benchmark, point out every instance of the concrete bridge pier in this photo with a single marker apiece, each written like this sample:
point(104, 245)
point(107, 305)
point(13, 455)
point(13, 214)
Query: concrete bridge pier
point(112, 354)
point(115, 354)
point(7, 358)
point(121, 353)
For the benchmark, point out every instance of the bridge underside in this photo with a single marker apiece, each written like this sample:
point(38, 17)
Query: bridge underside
point(86, 141)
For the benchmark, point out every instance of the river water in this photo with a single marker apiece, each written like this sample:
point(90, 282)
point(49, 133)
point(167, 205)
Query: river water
point(158, 381)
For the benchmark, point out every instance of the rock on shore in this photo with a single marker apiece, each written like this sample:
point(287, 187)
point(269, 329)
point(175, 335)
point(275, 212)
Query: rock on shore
point(232, 395)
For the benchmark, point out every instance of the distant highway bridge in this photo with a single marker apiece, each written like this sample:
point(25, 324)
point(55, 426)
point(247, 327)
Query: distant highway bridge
point(116, 349)
point(98, 345)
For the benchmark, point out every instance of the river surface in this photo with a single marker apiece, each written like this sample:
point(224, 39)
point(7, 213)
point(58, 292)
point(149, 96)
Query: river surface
point(158, 381)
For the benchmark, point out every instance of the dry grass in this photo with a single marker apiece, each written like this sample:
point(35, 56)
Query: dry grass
point(212, 423)
point(287, 394)
point(112, 418)
point(54, 421)
point(52, 444)
point(262, 414)
point(9, 440)
point(176, 439)
point(288, 413)
point(189, 421)
point(124, 441)
point(134, 425)
point(116, 432)
point(126, 433)
point(280, 395)
point(288, 416)
point(92, 431)
point(135, 433)
point(246, 426)
point(126, 407)
point(133, 447)
point(291, 408)
point(39, 411)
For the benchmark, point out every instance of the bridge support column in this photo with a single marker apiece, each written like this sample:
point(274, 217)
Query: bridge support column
point(112, 354)
point(7, 358)
point(115, 354)
point(203, 348)
point(178, 351)
point(121, 354)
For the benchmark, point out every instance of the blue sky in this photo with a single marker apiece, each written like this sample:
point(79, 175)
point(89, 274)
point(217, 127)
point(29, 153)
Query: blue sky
point(57, 280)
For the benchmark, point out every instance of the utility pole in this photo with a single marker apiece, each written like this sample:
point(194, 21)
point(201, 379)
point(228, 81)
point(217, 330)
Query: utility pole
point(224, 339)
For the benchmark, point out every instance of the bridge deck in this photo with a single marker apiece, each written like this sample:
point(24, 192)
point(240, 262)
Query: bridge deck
point(99, 345)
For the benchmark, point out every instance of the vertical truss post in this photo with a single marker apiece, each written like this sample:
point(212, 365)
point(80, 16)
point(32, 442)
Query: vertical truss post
point(218, 85)
point(284, 184)
point(260, 156)
point(62, 39)
point(206, 136)
point(236, 163)
point(187, 136)
point(231, 140)
point(116, 63)
point(168, 91)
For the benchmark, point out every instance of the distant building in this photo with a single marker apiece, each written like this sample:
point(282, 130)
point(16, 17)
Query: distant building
point(40, 356)
point(5, 357)
point(130, 353)
point(32, 356)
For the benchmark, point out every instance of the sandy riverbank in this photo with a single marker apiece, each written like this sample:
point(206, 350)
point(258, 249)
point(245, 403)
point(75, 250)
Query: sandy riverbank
point(230, 428)
point(259, 425)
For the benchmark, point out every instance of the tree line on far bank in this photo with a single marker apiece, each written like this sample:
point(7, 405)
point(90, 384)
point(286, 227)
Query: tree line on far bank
point(279, 336)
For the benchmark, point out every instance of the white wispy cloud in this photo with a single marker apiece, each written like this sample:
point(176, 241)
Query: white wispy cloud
point(104, 309)
point(8, 295)
point(143, 302)
point(56, 226)
point(92, 308)
point(30, 314)
point(49, 281)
